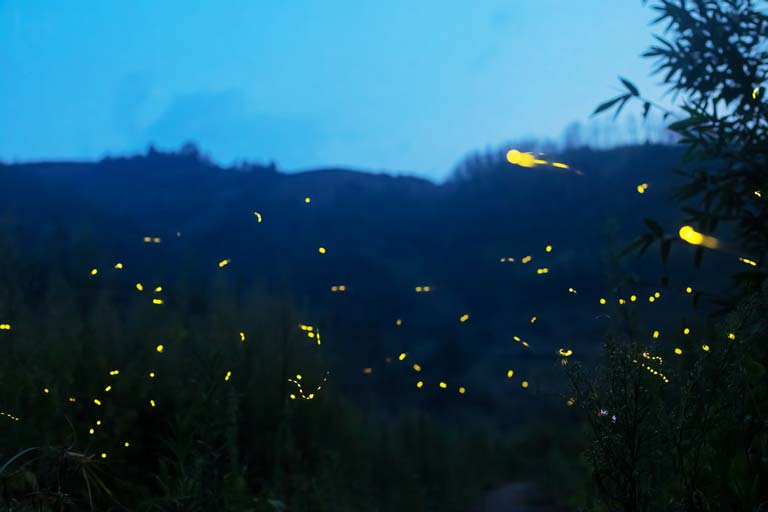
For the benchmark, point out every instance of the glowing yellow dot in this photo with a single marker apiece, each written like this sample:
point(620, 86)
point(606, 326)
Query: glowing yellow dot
point(103, 455)
point(158, 289)
point(657, 295)
point(691, 236)
point(398, 322)
point(293, 397)
point(689, 290)
point(151, 375)
point(678, 351)
point(705, 347)
point(633, 298)
point(223, 263)
point(227, 376)
point(108, 389)
point(622, 301)
point(462, 390)
point(98, 422)
point(97, 401)
point(655, 334)
point(147, 239)
point(307, 200)
point(156, 240)
point(528, 160)
point(127, 444)
point(114, 372)
point(427, 288)
point(526, 259)
point(543, 270)
point(510, 373)
point(119, 265)
point(159, 348)
point(524, 384)
point(94, 272)
point(731, 336)
point(417, 367)
point(602, 301)
point(443, 385)
point(45, 390)
point(513, 156)
point(464, 318)
point(152, 403)
point(548, 248)
point(401, 356)
point(651, 298)
point(533, 319)
point(72, 399)
point(418, 289)
point(140, 287)
point(642, 187)
point(686, 331)
point(157, 301)
point(685, 232)
point(298, 376)
point(419, 384)
point(321, 250)
point(91, 431)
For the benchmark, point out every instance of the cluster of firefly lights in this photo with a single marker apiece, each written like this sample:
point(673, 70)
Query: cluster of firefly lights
point(515, 157)
point(647, 366)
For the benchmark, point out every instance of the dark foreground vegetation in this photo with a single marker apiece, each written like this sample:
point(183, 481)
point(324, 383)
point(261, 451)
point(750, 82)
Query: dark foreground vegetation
point(679, 422)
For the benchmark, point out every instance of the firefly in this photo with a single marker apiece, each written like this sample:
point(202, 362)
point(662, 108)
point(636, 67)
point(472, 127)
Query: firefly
point(693, 237)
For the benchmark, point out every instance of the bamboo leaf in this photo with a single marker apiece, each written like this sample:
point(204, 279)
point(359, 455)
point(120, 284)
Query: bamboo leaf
point(630, 87)
point(666, 245)
point(608, 104)
point(654, 227)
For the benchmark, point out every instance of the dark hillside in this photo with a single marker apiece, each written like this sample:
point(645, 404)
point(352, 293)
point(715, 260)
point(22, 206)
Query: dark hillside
point(384, 235)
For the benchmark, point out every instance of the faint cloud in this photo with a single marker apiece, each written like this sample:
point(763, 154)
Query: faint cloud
point(501, 19)
point(223, 124)
point(133, 98)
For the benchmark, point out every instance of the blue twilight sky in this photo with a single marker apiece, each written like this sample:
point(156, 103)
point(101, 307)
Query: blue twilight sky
point(399, 85)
